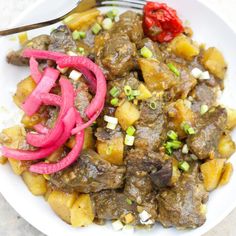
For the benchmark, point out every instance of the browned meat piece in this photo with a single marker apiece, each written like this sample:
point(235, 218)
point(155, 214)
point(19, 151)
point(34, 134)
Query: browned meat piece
point(153, 46)
point(61, 40)
point(117, 57)
point(210, 128)
point(83, 97)
point(182, 205)
point(103, 134)
point(144, 171)
point(89, 174)
point(150, 127)
point(111, 205)
point(204, 95)
point(131, 79)
point(186, 82)
point(40, 42)
point(130, 23)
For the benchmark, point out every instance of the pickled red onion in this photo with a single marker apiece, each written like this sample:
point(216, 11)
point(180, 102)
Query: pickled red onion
point(40, 140)
point(34, 70)
point(41, 129)
point(50, 168)
point(68, 123)
point(33, 102)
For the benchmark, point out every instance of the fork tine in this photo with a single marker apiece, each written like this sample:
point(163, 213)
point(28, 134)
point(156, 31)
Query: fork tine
point(109, 3)
point(138, 2)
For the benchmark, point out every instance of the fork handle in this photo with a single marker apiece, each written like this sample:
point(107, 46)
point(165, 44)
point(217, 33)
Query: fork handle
point(30, 27)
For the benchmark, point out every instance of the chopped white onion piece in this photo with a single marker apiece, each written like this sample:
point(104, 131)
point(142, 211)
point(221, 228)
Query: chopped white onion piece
point(111, 126)
point(128, 229)
point(117, 225)
point(148, 222)
point(111, 119)
point(117, 18)
point(185, 149)
point(188, 103)
point(70, 53)
point(196, 73)
point(75, 75)
point(205, 75)
point(107, 24)
point(62, 70)
point(144, 216)
point(129, 140)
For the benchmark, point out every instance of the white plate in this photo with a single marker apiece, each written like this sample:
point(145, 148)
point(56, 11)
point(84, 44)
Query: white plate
point(208, 28)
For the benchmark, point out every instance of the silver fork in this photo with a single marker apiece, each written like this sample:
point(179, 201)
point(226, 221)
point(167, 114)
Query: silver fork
point(81, 6)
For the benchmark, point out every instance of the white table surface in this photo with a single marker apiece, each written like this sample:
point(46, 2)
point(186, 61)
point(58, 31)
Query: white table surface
point(11, 224)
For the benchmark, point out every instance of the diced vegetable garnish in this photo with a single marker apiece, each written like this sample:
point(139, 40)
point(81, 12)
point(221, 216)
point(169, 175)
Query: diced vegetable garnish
point(78, 35)
point(146, 52)
point(172, 145)
point(81, 50)
point(96, 28)
point(185, 149)
point(128, 90)
point(117, 225)
point(183, 165)
point(196, 73)
point(129, 140)
point(111, 119)
point(173, 69)
point(112, 14)
point(144, 216)
point(107, 24)
point(153, 105)
point(172, 135)
point(131, 130)
point(187, 128)
point(114, 92)
point(75, 75)
point(204, 76)
point(204, 108)
point(114, 101)
point(23, 38)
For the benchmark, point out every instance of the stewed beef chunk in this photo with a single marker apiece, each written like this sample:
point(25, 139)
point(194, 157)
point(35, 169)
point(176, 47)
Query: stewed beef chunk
point(182, 206)
point(90, 173)
point(210, 128)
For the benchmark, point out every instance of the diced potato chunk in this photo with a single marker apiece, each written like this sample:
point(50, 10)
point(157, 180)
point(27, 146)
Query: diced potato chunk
point(127, 114)
point(179, 113)
point(30, 121)
point(61, 203)
point(82, 20)
point(24, 89)
point(214, 62)
point(12, 137)
point(231, 118)
point(212, 171)
point(88, 139)
point(226, 146)
point(36, 184)
point(112, 150)
point(144, 92)
point(228, 171)
point(3, 160)
point(157, 75)
point(82, 213)
point(183, 46)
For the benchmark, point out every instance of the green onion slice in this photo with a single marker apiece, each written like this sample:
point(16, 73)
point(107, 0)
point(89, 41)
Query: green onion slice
point(114, 92)
point(172, 135)
point(153, 105)
point(96, 28)
point(183, 165)
point(114, 101)
point(173, 69)
point(128, 90)
point(146, 52)
point(131, 130)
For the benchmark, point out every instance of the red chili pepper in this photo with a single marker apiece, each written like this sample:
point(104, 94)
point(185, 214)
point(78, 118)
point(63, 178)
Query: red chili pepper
point(161, 22)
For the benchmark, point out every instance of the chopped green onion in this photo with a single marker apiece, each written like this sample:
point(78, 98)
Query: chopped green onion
point(96, 28)
point(81, 50)
point(146, 52)
point(129, 201)
point(153, 105)
point(187, 128)
point(183, 165)
point(170, 145)
point(82, 34)
point(130, 97)
point(114, 101)
point(128, 90)
point(173, 69)
point(185, 149)
point(114, 92)
point(76, 35)
point(135, 93)
point(191, 131)
point(172, 135)
point(129, 140)
point(131, 130)
point(204, 109)
point(107, 24)
point(112, 14)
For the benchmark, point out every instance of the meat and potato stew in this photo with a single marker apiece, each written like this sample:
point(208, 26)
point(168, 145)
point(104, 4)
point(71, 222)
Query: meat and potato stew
point(121, 120)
